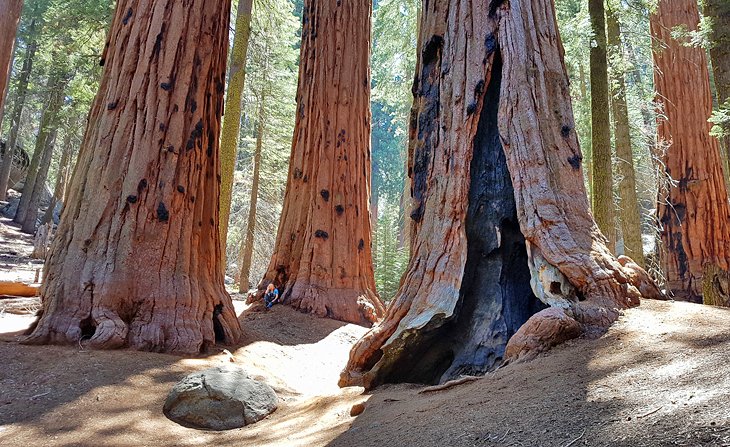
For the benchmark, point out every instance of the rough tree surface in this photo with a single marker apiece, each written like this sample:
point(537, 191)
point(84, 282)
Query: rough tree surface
point(629, 210)
point(232, 122)
point(9, 18)
point(445, 319)
point(694, 210)
point(323, 256)
point(603, 206)
point(136, 261)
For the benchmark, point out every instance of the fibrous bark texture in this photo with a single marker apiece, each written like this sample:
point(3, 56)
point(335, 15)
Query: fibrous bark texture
point(694, 212)
point(603, 206)
point(9, 18)
point(629, 212)
point(323, 257)
point(136, 261)
point(500, 205)
point(232, 121)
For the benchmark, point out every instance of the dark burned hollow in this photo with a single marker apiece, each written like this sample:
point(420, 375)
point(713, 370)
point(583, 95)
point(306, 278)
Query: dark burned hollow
point(495, 296)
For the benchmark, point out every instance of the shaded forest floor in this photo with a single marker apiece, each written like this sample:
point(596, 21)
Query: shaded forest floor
point(659, 377)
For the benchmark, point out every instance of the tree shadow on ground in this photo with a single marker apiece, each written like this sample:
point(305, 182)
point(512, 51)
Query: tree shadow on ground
point(658, 378)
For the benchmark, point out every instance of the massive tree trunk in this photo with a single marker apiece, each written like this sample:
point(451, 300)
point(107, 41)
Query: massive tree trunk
point(49, 123)
point(232, 122)
point(39, 187)
point(9, 18)
point(500, 205)
point(323, 256)
point(17, 112)
point(136, 260)
point(603, 206)
point(694, 213)
point(629, 212)
point(60, 188)
point(248, 241)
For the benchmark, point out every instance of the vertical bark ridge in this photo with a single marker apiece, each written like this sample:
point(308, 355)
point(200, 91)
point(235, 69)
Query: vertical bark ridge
point(694, 214)
point(322, 257)
point(137, 258)
point(571, 267)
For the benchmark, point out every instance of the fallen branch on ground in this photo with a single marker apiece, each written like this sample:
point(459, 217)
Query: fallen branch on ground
point(17, 289)
point(450, 384)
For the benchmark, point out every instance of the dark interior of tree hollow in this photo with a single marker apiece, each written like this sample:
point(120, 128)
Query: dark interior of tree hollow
point(495, 297)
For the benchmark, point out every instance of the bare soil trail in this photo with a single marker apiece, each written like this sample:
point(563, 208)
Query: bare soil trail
point(659, 377)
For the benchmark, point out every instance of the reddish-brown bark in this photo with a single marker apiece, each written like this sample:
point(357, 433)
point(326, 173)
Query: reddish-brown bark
point(136, 261)
point(322, 259)
point(464, 50)
point(694, 213)
point(9, 18)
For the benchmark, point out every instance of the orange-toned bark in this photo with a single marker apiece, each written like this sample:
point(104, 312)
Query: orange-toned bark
point(694, 213)
point(136, 261)
point(322, 260)
point(9, 18)
point(461, 46)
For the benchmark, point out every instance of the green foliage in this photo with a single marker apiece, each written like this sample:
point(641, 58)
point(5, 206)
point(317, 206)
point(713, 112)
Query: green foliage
point(271, 77)
point(390, 256)
point(70, 35)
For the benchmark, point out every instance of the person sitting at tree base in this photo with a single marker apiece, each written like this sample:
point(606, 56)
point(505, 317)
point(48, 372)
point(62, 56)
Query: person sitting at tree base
point(271, 296)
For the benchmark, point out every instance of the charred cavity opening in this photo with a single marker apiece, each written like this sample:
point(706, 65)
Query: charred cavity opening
point(88, 328)
point(220, 334)
point(496, 298)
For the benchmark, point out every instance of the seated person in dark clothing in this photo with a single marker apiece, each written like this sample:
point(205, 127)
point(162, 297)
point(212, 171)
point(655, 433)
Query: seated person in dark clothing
point(271, 296)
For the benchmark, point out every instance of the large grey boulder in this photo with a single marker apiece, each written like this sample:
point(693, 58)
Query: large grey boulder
point(220, 398)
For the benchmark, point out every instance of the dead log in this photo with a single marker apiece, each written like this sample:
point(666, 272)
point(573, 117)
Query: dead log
point(18, 289)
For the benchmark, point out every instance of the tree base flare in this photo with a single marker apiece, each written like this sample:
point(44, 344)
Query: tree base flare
point(361, 307)
point(175, 330)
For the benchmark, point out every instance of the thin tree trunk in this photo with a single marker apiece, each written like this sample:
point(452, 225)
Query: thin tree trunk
point(694, 214)
point(39, 188)
point(17, 112)
point(136, 259)
point(718, 11)
point(603, 205)
point(232, 122)
point(323, 256)
point(479, 245)
point(58, 190)
point(589, 159)
point(49, 123)
point(247, 247)
point(629, 212)
point(9, 18)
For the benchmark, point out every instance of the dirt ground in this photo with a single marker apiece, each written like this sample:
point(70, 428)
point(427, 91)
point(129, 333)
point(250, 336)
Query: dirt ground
point(659, 377)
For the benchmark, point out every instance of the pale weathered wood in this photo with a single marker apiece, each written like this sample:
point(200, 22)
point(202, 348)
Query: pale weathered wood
point(136, 261)
point(322, 260)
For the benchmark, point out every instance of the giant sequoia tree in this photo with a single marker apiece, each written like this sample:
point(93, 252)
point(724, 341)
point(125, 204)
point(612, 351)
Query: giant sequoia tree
point(136, 261)
point(694, 212)
point(9, 18)
point(323, 258)
point(500, 205)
